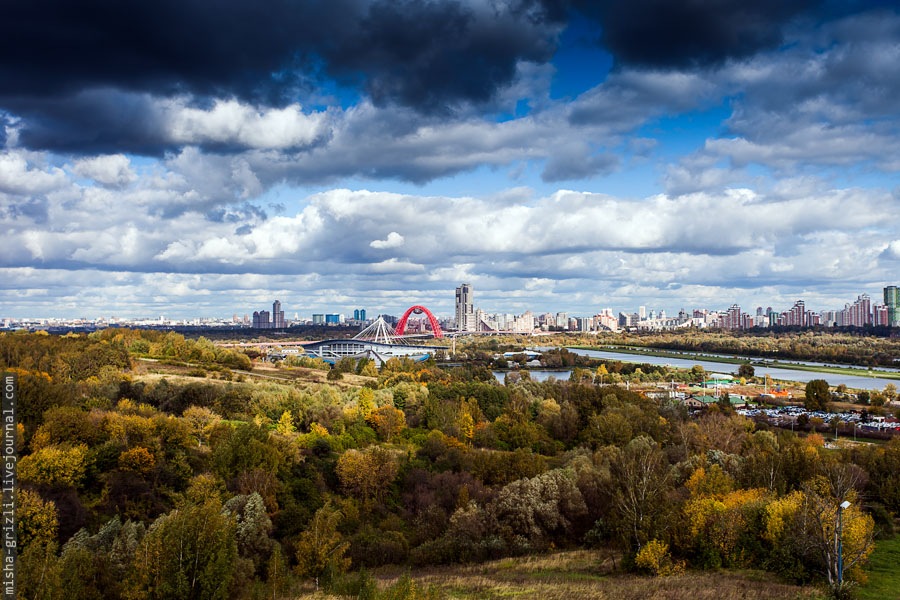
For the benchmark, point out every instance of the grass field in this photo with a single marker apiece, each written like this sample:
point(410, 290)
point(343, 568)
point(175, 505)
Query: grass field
point(590, 575)
point(884, 572)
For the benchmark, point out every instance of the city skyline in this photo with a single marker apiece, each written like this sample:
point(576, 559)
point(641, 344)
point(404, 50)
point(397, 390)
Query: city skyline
point(884, 310)
point(558, 156)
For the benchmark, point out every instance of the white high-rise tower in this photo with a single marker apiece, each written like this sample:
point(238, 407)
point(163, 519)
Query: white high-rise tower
point(465, 311)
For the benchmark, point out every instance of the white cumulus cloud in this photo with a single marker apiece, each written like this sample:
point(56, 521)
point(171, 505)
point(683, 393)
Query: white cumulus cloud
point(232, 123)
point(394, 240)
point(112, 170)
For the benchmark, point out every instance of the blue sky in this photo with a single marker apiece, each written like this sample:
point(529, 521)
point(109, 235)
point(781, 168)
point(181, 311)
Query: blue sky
point(560, 155)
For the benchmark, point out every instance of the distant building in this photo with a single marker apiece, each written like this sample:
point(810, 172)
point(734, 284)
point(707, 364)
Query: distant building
point(465, 310)
point(261, 320)
point(277, 315)
point(892, 301)
point(881, 315)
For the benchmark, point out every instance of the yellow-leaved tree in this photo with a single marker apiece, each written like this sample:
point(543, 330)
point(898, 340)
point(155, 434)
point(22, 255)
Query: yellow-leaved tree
point(321, 548)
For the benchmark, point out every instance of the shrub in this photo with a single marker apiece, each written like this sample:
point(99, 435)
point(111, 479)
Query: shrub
point(654, 558)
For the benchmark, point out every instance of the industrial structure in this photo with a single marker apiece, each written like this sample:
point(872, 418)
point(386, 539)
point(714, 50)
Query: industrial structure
point(378, 342)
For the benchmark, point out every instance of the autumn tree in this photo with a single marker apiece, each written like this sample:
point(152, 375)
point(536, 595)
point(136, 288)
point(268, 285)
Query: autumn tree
point(817, 532)
point(366, 474)
point(321, 547)
point(387, 421)
point(37, 521)
point(817, 395)
point(202, 420)
point(55, 466)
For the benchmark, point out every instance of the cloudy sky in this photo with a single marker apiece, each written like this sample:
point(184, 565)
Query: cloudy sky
point(189, 158)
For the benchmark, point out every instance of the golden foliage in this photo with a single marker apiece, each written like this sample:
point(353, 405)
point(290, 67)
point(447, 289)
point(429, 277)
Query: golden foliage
point(137, 459)
point(780, 512)
point(387, 421)
point(55, 466)
point(37, 520)
point(654, 558)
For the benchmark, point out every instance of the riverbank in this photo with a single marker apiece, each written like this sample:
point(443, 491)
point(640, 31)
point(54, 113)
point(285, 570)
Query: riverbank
point(755, 361)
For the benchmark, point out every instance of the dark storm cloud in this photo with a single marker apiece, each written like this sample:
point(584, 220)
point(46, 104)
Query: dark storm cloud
point(53, 48)
point(63, 64)
point(424, 54)
point(667, 33)
point(91, 121)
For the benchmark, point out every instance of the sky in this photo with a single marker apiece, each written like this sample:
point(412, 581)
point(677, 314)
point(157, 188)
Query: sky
point(187, 158)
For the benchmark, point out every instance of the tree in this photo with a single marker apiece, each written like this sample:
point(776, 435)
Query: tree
point(698, 373)
point(253, 528)
point(321, 548)
point(536, 509)
point(642, 480)
point(724, 403)
point(202, 420)
point(285, 425)
point(746, 370)
point(817, 536)
point(387, 421)
point(37, 519)
point(366, 474)
point(817, 395)
point(188, 553)
point(55, 466)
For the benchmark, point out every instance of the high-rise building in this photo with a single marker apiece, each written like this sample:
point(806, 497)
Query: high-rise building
point(277, 315)
point(465, 311)
point(797, 316)
point(892, 301)
point(859, 314)
point(562, 320)
point(261, 320)
point(880, 315)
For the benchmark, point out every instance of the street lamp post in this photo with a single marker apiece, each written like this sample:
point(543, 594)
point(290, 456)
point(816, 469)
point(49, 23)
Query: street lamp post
point(839, 534)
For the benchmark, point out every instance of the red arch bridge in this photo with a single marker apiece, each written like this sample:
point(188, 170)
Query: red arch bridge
point(400, 329)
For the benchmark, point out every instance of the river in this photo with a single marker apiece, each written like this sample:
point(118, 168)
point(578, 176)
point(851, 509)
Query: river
point(859, 382)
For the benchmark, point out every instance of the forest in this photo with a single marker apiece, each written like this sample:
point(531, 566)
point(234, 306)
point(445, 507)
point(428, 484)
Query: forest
point(154, 466)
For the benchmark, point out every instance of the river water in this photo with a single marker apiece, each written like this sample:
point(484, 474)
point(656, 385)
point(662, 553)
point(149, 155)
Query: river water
point(851, 381)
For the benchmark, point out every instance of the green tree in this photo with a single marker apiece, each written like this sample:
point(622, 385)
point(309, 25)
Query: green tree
point(252, 529)
point(746, 371)
point(642, 481)
point(188, 553)
point(818, 395)
point(321, 547)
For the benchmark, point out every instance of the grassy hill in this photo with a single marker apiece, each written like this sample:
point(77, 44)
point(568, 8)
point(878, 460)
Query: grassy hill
point(579, 574)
